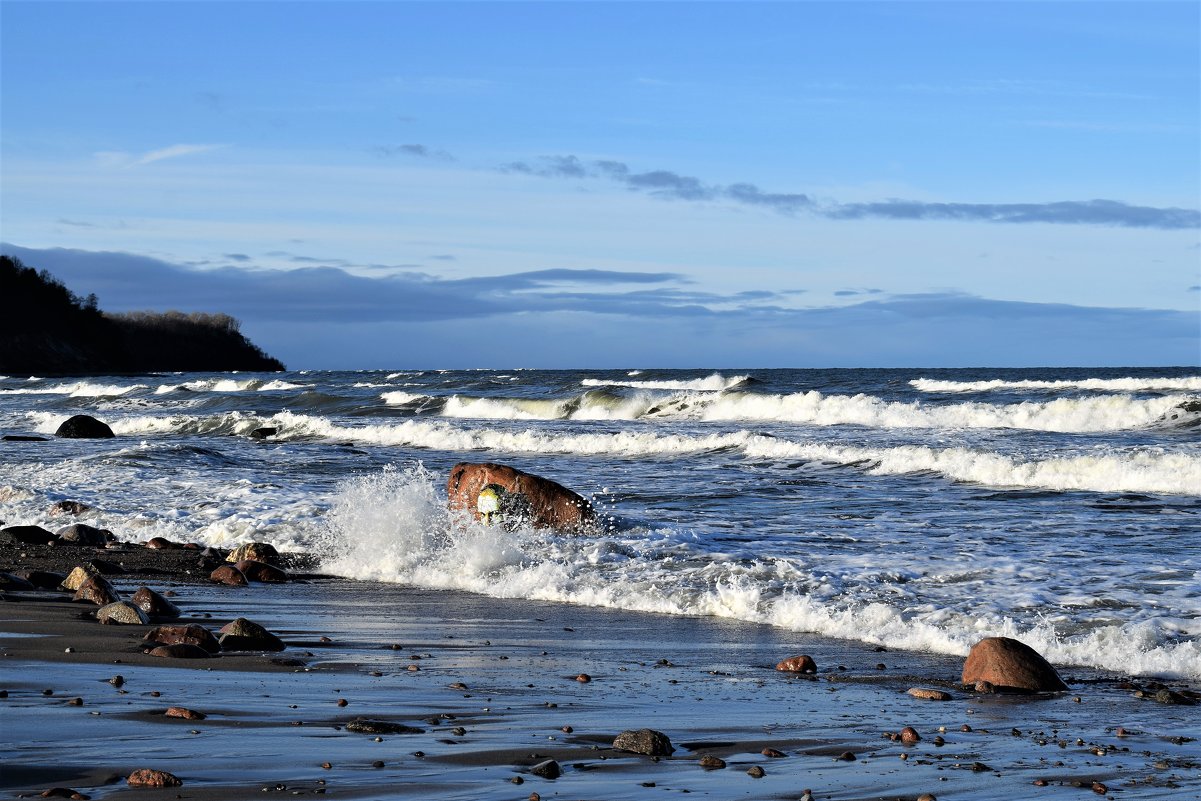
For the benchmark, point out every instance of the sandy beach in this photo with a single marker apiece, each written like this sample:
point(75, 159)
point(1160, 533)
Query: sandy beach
point(494, 687)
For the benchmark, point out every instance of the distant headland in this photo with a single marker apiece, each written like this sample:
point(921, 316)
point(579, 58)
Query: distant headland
point(47, 329)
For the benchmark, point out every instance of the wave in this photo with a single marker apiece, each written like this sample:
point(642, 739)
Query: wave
point(80, 389)
point(1067, 415)
point(229, 385)
point(394, 526)
point(1143, 470)
point(1182, 384)
point(714, 383)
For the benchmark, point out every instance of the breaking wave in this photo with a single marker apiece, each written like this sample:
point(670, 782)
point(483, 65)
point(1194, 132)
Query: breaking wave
point(714, 383)
point(1183, 384)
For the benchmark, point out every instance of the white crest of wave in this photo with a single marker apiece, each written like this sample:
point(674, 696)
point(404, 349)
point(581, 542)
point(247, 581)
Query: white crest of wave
point(591, 405)
point(1182, 384)
point(79, 389)
point(229, 385)
point(713, 383)
point(399, 398)
point(1075, 415)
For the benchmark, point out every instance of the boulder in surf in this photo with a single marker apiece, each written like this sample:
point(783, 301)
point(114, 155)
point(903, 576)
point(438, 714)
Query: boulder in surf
point(499, 494)
point(1010, 665)
point(84, 426)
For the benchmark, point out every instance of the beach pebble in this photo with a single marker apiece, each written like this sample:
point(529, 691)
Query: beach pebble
point(644, 741)
point(547, 769)
point(97, 590)
point(117, 681)
point(756, 772)
point(798, 664)
point(191, 634)
point(263, 573)
point(535, 797)
point(122, 613)
point(69, 508)
point(929, 695)
point(184, 712)
point(154, 605)
point(342, 702)
point(241, 634)
point(909, 735)
point(771, 752)
point(1010, 664)
point(83, 534)
point(229, 576)
point(710, 762)
point(583, 678)
point(64, 792)
point(153, 778)
point(1099, 788)
point(370, 726)
point(846, 756)
point(926, 797)
point(566, 729)
point(180, 650)
point(75, 702)
point(256, 551)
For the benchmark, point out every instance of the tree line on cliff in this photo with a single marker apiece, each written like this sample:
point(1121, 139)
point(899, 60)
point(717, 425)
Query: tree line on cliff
point(46, 329)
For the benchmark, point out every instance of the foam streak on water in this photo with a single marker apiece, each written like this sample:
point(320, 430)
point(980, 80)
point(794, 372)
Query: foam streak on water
point(914, 509)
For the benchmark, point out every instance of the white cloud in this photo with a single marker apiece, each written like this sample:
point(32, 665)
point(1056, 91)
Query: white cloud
point(117, 158)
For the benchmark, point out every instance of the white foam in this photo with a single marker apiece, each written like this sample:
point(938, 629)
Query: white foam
point(713, 383)
point(398, 398)
point(1183, 384)
point(393, 526)
point(80, 389)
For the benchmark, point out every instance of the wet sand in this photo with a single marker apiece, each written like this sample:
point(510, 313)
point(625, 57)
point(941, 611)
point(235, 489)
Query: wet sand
point(493, 687)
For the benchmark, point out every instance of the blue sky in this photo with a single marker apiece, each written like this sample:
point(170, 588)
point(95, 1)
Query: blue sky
point(621, 184)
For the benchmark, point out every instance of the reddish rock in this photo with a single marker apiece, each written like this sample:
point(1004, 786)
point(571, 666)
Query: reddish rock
point(710, 762)
point(161, 544)
point(929, 695)
point(261, 571)
point(246, 635)
point(184, 712)
point(1010, 665)
point(180, 650)
point(230, 575)
point(78, 576)
point(154, 605)
point(909, 736)
point(97, 590)
point(798, 664)
point(521, 497)
point(122, 613)
point(258, 551)
point(192, 634)
point(153, 778)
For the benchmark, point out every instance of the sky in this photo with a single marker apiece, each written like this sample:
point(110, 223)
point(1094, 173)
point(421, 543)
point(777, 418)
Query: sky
point(381, 185)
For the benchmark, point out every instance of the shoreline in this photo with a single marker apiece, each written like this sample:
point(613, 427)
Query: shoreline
point(493, 682)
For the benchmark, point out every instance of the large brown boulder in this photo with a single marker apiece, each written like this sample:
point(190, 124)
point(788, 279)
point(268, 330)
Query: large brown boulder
point(499, 493)
point(122, 613)
point(258, 551)
point(97, 590)
point(241, 634)
point(229, 575)
point(261, 571)
point(192, 634)
point(1010, 665)
point(154, 605)
point(798, 664)
point(147, 777)
point(83, 426)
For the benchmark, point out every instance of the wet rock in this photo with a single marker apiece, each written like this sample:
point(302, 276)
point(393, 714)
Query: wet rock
point(261, 571)
point(14, 583)
point(122, 613)
point(644, 741)
point(984, 687)
point(773, 753)
point(264, 432)
point(756, 772)
point(246, 635)
point(514, 496)
point(257, 551)
point(846, 756)
point(372, 726)
point(154, 605)
point(1166, 696)
point(909, 736)
point(547, 769)
point(710, 762)
point(153, 778)
point(929, 695)
point(23, 438)
point(43, 579)
point(162, 544)
point(64, 792)
point(191, 634)
point(83, 534)
point(798, 664)
point(184, 712)
point(106, 568)
point(26, 535)
point(69, 508)
point(97, 590)
point(180, 650)
point(583, 678)
point(1012, 665)
point(228, 575)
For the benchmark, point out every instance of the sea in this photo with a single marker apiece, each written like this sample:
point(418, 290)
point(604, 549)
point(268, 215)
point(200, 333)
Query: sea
point(915, 509)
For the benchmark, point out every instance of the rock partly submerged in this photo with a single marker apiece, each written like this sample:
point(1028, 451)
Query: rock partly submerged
point(644, 741)
point(1010, 665)
point(498, 493)
point(84, 426)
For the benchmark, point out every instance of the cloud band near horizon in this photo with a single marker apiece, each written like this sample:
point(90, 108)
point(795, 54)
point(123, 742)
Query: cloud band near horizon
point(669, 185)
